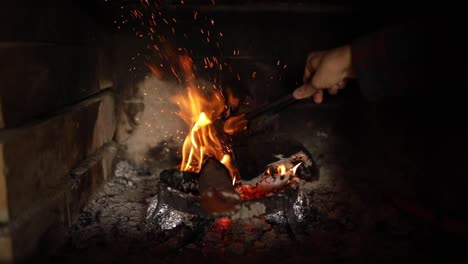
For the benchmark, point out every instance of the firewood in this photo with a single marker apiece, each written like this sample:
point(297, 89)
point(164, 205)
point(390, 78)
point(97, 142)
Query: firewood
point(183, 181)
point(218, 196)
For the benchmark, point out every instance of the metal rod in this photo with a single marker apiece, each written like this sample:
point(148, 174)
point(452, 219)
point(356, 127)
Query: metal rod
point(274, 106)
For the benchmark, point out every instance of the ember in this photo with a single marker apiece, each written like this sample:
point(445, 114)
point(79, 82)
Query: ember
point(250, 192)
point(221, 225)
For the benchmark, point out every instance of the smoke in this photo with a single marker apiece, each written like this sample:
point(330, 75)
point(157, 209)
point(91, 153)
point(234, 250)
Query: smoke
point(157, 139)
point(159, 127)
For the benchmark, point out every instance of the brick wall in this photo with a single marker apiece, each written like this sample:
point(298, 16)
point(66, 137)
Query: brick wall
point(57, 121)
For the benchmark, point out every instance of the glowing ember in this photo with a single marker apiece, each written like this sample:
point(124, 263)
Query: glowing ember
point(221, 225)
point(250, 192)
point(276, 177)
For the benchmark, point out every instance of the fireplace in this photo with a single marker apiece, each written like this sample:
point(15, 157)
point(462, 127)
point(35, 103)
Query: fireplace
point(142, 131)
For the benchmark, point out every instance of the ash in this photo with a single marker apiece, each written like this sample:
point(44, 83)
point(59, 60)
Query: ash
point(300, 207)
point(277, 218)
point(161, 217)
point(339, 218)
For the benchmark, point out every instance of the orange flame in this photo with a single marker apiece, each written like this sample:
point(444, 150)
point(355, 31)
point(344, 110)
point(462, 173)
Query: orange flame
point(235, 124)
point(281, 169)
point(199, 111)
point(233, 101)
point(157, 73)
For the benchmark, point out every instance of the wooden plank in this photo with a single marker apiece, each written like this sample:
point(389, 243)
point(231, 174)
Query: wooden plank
point(3, 191)
point(6, 250)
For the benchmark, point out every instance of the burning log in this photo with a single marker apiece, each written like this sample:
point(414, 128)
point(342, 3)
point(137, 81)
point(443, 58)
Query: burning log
point(261, 206)
point(210, 193)
point(218, 195)
point(183, 181)
point(255, 155)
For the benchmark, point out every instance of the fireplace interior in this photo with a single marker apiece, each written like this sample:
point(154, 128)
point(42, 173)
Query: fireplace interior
point(101, 162)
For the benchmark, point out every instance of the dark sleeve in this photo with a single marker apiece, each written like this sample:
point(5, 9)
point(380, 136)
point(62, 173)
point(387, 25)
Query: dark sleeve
point(402, 59)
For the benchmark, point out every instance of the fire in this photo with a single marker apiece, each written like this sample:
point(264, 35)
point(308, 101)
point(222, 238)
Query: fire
point(200, 111)
point(273, 179)
point(295, 168)
point(281, 169)
point(235, 124)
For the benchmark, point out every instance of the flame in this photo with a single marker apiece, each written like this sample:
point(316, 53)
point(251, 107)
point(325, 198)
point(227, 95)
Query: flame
point(199, 111)
point(235, 124)
point(225, 159)
point(281, 169)
point(295, 168)
point(255, 191)
point(232, 100)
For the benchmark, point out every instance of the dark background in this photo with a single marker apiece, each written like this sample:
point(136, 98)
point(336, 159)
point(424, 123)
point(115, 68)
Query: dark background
point(70, 36)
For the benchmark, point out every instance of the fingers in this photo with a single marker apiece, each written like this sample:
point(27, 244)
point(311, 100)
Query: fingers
point(307, 74)
point(304, 91)
point(325, 70)
point(333, 90)
point(308, 90)
point(318, 97)
point(312, 63)
point(336, 87)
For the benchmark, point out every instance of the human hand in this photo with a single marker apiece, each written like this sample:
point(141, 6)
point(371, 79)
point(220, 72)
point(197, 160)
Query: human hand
point(325, 70)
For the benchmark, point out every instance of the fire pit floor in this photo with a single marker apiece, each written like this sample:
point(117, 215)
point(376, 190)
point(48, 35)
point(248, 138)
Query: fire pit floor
point(345, 225)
